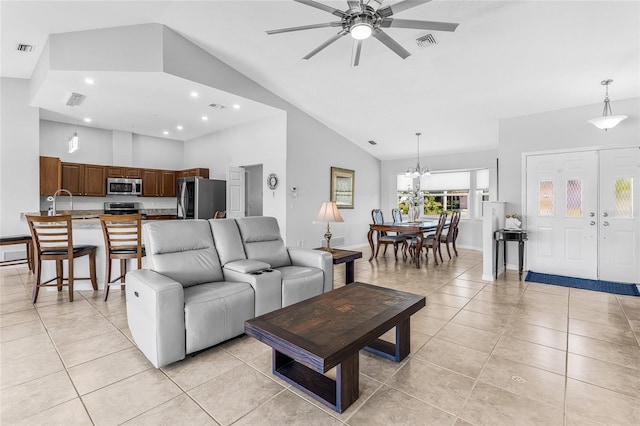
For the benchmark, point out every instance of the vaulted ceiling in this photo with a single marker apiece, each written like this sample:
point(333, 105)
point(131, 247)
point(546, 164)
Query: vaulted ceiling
point(507, 58)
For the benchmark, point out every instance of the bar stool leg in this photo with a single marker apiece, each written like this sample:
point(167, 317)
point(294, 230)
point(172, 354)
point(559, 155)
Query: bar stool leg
point(36, 282)
point(92, 270)
point(70, 262)
point(107, 280)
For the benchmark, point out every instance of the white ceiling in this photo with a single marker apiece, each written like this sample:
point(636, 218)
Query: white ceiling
point(507, 58)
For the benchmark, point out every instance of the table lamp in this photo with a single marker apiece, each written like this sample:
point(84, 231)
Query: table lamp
point(329, 213)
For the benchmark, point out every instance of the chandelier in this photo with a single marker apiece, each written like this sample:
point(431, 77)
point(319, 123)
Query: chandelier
point(417, 171)
point(608, 120)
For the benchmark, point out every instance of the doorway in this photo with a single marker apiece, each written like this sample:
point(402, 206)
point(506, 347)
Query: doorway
point(583, 214)
point(253, 190)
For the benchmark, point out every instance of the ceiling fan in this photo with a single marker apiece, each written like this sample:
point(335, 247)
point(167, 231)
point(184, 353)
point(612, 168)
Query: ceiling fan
point(364, 19)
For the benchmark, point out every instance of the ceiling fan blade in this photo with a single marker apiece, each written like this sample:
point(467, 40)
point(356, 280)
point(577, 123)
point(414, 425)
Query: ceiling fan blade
point(323, 7)
point(355, 53)
point(325, 44)
point(305, 27)
point(387, 11)
point(391, 43)
point(419, 25)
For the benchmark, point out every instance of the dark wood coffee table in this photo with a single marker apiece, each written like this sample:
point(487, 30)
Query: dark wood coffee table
point(311, 337)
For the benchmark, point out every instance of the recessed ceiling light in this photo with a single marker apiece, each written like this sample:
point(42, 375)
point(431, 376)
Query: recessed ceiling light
point(165, 132)
point(236, 106)
point(87, 120)
point(194, 94)
point(205, 118)
point(179, 127)
point(89, 81)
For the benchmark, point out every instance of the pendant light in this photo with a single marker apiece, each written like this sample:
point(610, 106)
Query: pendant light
point(608, 120)
point(417, 171)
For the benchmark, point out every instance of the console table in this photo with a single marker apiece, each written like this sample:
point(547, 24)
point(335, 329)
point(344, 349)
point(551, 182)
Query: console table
point(505, 235)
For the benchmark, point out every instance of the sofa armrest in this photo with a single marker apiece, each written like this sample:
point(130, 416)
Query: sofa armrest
point(155, 313)
point(267, 287)
point(246, 266)
point(317, 259)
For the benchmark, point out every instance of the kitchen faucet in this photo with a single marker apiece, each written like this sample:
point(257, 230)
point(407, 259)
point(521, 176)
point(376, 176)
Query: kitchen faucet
point(55, 195)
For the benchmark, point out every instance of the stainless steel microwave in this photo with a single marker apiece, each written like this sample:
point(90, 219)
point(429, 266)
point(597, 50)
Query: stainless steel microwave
point(124, 186)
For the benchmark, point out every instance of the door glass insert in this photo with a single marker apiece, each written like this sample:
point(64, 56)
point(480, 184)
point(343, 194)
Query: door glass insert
point(623, 198)
point(545, 198)
point(574, 198)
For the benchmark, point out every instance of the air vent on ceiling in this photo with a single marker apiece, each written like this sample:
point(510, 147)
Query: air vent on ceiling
point(24, 47)
point(373, 142)
point(426, 40)
point(75, 99)
point(217, 106)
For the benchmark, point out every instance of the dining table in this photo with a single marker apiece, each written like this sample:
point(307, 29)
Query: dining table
point(416, 228)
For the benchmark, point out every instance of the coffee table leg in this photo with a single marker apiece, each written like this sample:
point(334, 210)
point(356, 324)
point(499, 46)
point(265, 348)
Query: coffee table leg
point(337, 394)
point(350, 275)
point(398, 351)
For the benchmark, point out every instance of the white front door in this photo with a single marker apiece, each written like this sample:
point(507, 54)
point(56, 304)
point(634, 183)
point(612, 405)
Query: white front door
point(235, 192)
point(562, 207)
point(583, 214)
point(619, 220)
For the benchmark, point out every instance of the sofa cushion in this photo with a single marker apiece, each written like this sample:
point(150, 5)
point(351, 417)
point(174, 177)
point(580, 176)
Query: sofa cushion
point(182, 250)
point(227, 239)
point(262, 241)
point(215, 312)
point(300, 283)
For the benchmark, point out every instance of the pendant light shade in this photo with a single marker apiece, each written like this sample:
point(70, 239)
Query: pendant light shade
point(73, 142)
point(608, 120)
point(417, 171)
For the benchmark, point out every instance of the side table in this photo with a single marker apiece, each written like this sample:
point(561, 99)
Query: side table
point(505, 235)
point(347, 257)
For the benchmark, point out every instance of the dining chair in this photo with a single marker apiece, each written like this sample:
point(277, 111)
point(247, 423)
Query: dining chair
point(449, 235)
point(122, 241)
point(383, 238)
point(53, 240)
point(431, 241)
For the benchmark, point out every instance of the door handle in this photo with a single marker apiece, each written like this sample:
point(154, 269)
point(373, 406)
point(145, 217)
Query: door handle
point(605, 223)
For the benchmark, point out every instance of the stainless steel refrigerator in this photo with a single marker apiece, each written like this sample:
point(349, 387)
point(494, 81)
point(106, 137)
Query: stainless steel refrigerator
point(200, 198)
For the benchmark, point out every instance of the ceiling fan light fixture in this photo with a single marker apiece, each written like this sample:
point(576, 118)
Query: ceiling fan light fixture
point(608, 120)
point(361, 29)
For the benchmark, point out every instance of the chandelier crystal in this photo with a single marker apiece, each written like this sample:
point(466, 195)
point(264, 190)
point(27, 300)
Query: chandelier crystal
point(417, 171)
point(608, 120)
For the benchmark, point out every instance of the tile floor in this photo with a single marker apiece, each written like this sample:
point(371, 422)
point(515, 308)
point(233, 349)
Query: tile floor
point(483, 353)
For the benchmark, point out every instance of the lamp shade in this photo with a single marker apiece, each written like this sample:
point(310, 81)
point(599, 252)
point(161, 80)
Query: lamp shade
point(607, 121)
point(329, 213)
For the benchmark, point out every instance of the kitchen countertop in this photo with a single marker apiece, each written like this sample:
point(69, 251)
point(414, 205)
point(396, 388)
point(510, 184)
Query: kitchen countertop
point(87, 219)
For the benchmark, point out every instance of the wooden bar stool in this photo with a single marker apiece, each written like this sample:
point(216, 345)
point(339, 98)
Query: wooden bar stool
point(121, 241)
point(18, 239)
point(53, 240)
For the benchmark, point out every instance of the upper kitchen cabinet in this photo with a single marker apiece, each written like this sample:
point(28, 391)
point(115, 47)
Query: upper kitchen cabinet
point(84, 179)
point(199, 172)
point(124, 172)
point(50, 175)
point(158, 183)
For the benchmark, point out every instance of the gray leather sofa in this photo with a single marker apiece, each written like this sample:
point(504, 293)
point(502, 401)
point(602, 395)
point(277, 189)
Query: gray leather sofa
point(205, 278)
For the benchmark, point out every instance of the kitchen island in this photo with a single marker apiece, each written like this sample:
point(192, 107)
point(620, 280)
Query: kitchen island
point(87, 231)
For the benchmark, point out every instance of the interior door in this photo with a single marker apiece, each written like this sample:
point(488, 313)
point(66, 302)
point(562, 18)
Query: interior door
point(562, 207)
point(619, 219)
point(235, 192)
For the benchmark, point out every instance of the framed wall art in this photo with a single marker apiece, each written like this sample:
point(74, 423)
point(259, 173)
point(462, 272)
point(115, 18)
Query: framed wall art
point(342, 184)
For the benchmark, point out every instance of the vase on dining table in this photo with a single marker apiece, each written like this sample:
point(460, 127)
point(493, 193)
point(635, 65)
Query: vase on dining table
point(414, 213)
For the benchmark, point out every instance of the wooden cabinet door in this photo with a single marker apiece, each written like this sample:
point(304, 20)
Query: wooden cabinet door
point(167, 183)
point(149, 183)
point(133, 173)
point(94, 181)
point(72, 178)
point(115, 172)
point(50, 175)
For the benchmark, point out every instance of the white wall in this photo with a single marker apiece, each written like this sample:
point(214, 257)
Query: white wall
point(95, 145)
point(19, 163)
point(470, 235)
point(158, 153)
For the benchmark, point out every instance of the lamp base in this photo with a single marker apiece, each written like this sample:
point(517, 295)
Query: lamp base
point(327, 236)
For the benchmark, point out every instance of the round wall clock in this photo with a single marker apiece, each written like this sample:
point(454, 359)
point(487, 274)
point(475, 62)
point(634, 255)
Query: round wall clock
point(272, 181)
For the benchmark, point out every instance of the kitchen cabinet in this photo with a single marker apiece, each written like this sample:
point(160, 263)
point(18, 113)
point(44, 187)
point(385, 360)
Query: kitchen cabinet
point(123, 172)
point(50, 175)
point(158, 183)
point(199, 172)
point(84, 179)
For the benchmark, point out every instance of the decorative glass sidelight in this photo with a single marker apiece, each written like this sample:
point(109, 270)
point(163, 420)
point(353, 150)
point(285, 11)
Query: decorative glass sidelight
point(623, 198)
point(574, 198)
point(545, 198)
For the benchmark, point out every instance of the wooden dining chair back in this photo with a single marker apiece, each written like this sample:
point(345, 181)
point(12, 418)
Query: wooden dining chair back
point(220, 214)
point(396, 215)
point(122, 241)
point(53, 240)
point(449, 236)
point(432, 241)
point(383, 238)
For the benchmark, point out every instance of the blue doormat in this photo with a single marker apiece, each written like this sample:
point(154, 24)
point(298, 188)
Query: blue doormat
point(585, 284)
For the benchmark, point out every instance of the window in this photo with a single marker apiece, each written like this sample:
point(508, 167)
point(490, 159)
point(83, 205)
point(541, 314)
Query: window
point(447, 191)
point(482, 191)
